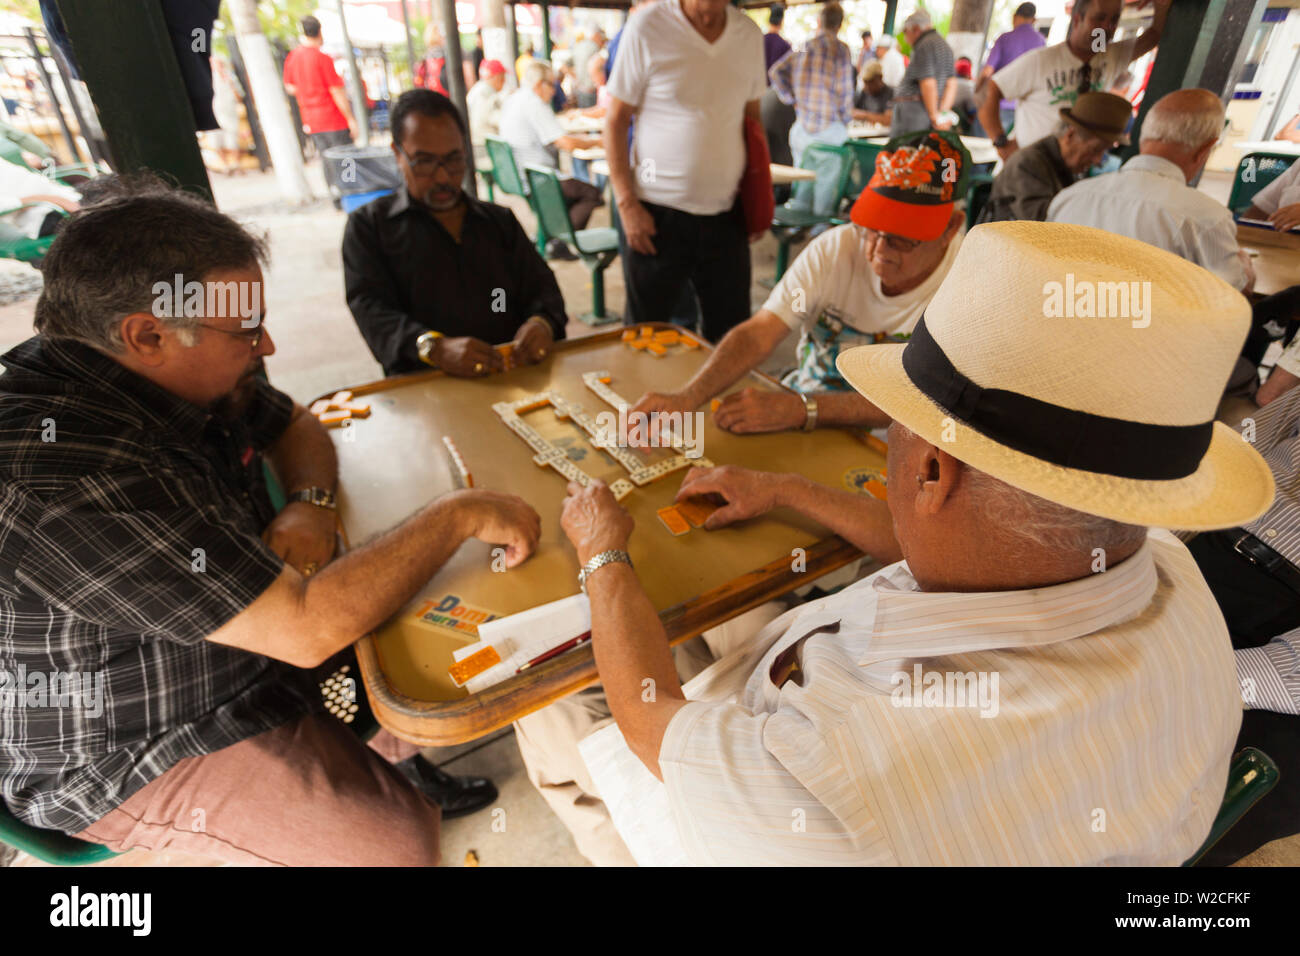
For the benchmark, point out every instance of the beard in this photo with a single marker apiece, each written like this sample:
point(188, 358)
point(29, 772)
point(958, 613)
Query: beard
point(442, 200)
point(234, 404)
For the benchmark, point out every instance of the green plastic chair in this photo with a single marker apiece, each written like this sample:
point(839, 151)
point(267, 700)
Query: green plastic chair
point(1251, 775)
point(51, 846)
point(864, 165)
point(812, 203)
point(16, 245)
point(597, 247)
point(1262, 168)
point(506, 173)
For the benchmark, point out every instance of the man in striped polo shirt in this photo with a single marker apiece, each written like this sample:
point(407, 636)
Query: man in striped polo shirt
point(1001, 694)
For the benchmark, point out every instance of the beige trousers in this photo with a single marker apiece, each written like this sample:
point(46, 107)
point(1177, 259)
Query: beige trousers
point(548, 740)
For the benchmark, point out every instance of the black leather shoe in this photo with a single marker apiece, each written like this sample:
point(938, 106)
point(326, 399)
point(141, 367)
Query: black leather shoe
point(559, 249)
point(456, 795)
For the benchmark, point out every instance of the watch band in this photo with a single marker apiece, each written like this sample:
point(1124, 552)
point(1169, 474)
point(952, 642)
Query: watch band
point(810, 412)
point(320, 497)
point(599, 561)
point(424, 346)
point(1000, 140)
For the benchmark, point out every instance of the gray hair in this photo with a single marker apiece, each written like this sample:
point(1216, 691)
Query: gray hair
point(110, 255)
point(1028, 519)
point(918, 19)
point(1173, 122)
point(536, 72)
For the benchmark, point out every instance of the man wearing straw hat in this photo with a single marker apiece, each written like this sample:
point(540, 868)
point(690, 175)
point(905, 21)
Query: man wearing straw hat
point(1001, 695)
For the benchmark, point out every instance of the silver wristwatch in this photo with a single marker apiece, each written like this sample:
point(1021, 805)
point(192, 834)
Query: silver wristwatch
point(320, 497)
point(809, 412)
point(599, 561)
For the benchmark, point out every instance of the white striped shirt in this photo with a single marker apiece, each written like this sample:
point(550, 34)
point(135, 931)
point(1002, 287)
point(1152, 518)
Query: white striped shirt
point(1148, 199)
point(1116, 714)
point(1274, 430)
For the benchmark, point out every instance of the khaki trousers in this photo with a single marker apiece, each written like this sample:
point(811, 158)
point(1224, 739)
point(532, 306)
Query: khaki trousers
point(548, 740)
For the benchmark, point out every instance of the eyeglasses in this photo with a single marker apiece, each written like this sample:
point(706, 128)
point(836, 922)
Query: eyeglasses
point(426, 164)
point(898, 243)
point(252, 336)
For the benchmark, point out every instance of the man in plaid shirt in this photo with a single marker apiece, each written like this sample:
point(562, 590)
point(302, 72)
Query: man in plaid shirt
point(818, 80)
point(145, 574)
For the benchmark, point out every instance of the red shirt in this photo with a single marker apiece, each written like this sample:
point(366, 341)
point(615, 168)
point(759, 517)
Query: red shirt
point(312, 74)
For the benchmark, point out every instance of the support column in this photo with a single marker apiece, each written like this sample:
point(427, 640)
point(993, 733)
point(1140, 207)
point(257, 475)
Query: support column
point(1204, 45)
point(123, 52)
point(546, 31)
point(357, 89)
point(969, 29)
point(498, 26)
point(456, 79)
point(891, 8)
point(410, 47)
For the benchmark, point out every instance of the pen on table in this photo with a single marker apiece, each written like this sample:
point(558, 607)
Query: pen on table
point(568, 645)
point(466, 478)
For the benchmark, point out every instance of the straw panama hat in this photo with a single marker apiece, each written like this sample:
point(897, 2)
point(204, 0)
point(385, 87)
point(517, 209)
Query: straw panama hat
point(1090, 412)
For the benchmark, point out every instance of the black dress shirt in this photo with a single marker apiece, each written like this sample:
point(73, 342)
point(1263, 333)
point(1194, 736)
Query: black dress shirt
point(129, 532)
point(405, 275)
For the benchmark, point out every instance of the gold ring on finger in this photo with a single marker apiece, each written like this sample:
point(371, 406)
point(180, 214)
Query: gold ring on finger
point(478, 367)
point(309, 569)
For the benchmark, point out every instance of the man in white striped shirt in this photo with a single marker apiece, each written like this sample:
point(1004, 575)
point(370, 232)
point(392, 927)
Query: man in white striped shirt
point(1039, 681)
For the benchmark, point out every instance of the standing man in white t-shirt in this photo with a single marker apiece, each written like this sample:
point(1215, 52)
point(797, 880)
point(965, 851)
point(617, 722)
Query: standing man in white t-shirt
point(1043, 81)
point(858, 284)
point(689, 70)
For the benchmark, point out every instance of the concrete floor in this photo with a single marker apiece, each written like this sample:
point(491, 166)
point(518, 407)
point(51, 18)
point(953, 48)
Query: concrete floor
point(319, 350)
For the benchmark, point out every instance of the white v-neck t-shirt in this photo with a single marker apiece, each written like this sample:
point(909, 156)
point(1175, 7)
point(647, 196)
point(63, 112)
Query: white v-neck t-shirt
point(688, 148)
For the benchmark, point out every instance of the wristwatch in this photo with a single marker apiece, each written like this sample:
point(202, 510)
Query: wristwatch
point(424, 346)
point(1000, 140)
point(320, 497)
point(599, 561)
point(809, 412)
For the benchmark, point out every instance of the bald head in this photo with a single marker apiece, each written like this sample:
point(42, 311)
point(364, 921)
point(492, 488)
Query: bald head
point(1183, 127)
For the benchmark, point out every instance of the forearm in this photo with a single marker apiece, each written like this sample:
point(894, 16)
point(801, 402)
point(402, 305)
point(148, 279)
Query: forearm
point(1279, 382)
point(989, 116)
point(634, 660)
point(620, 163)
point(862, 520)
point(949, 94)
point(739, 353)
point(303, 457)
point(340, 96)
point(848, 409)
point(930, 96)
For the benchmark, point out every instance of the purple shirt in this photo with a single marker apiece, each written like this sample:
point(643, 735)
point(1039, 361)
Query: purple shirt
point(1009, 46)
point(775, 46)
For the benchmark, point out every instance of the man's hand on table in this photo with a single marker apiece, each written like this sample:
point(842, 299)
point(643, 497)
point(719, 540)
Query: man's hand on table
point(533, 341)
point(1287, 217)
point(755, 410)
point(500, 519)
point(747, 493)
point(594, 520)
point(303, 534)
point(655, 404)
point(466, 357)
point(638, 226)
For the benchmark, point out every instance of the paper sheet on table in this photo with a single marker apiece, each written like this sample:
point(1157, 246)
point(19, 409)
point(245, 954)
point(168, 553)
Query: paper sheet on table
point(519, 638)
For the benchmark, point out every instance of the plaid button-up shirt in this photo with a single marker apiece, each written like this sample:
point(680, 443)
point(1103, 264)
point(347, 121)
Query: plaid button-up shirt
point(818, 81)
point(129, 531)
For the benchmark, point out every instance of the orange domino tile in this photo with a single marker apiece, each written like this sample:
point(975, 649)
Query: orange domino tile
point(713, 405)
point(876, 444)
point(657, 348)
point(673, 520)
point(629, 335)
point(647, 331)
point(876, 490)
point(474, 665)
point(696, 510)
point(639, 343)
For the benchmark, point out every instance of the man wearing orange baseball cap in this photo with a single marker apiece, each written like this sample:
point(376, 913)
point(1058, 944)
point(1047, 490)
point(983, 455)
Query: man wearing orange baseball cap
point(865, 282)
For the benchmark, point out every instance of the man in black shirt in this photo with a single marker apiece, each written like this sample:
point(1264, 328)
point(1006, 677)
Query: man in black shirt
point(436, 278)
